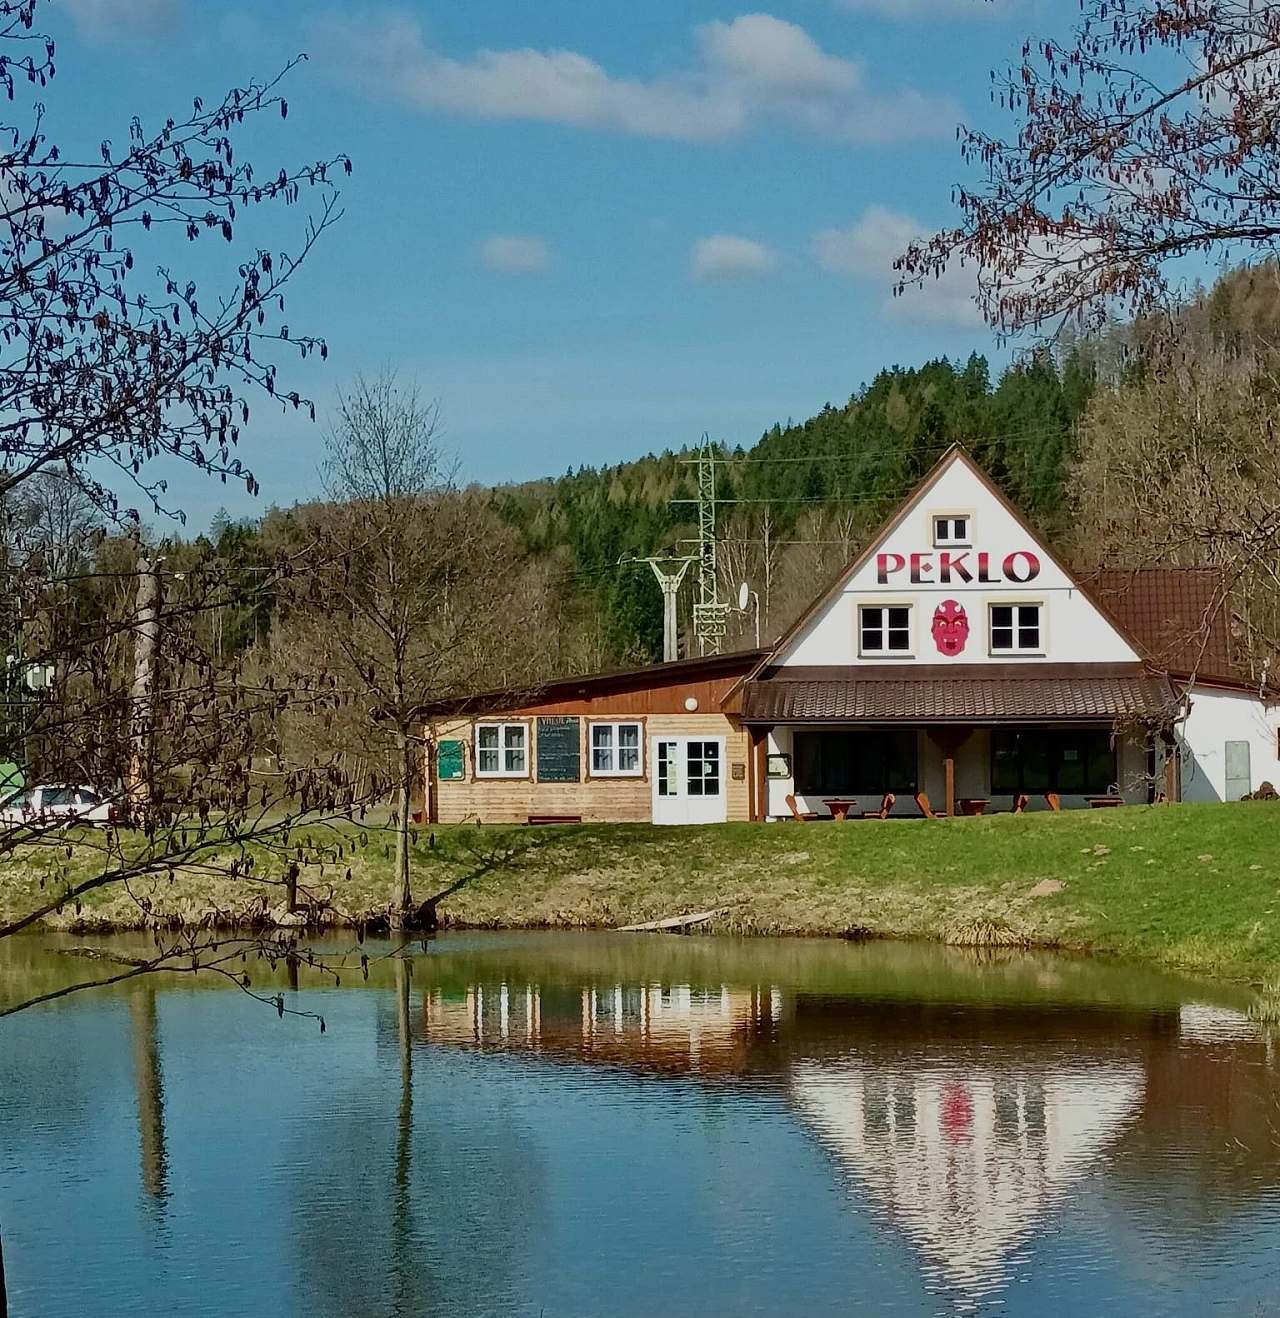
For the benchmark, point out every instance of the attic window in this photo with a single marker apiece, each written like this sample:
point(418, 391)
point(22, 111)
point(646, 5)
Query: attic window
point(951, 529)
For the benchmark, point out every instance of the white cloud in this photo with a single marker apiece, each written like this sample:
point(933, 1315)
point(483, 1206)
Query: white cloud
point(515, 254)
point(119, 20)
point(755, 69)
point(867, 249)
point(727, 256)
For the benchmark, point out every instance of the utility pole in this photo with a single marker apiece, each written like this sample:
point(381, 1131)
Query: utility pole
point(670, 572)
point(142, 696)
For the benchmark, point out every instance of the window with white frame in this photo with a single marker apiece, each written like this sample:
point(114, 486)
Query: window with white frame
point(951, 529)
point(884, 629)
point(502, 750)
point(615, 750)
point(1017, 629)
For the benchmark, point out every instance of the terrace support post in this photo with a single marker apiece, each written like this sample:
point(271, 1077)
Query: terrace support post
point(759, 739)
point(4, 1294)
point(1172, 778)
point(948, 740)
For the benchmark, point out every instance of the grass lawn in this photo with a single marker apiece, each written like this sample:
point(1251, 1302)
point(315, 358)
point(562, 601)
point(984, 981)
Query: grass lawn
point(1194, 886)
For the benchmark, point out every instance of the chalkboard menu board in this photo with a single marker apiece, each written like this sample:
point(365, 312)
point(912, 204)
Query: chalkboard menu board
point(449, 761)
point(558, 749)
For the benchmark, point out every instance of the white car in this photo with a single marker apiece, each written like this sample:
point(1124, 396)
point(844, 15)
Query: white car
point(56, 804)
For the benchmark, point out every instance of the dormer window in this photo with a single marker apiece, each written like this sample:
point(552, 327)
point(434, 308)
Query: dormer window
point(951, 530)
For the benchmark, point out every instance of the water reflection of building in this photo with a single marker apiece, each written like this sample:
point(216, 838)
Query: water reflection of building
point(966, 1162)
point(964, 1127)
point(668, 1027)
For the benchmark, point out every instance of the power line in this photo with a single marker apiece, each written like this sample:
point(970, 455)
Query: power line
point(872, 450)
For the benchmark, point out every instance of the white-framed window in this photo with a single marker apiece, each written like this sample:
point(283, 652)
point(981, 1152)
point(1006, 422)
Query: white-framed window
point(952, 529)
point(1017, 629)
point(615, 750)
point(502, 750)
point(884, 629)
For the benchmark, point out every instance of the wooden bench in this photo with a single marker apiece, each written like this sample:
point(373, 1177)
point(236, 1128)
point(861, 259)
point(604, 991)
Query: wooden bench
point(554, 819)
point(1022, 800)
point(1104, 802)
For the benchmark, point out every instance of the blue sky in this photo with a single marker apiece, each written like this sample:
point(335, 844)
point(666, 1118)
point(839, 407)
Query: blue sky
point(589, 230)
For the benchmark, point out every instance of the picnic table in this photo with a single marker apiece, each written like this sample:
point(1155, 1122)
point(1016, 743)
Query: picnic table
point(840, 808)
point(1104, 802)
point(974, 805)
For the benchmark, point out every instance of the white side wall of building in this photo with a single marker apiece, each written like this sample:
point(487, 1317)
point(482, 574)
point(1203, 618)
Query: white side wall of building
point(1214, 738)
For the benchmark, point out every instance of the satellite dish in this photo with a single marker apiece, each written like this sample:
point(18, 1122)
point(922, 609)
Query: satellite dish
point(744, 594)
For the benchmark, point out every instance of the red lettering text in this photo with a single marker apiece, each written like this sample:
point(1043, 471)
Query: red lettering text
point(921, 565)
point(886, 565)
point(949, 563)
point(1021, 566)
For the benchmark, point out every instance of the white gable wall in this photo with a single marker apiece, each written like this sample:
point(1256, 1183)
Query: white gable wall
point(1073, 631)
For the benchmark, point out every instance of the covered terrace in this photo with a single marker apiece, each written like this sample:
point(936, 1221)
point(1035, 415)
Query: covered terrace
point(959, 739)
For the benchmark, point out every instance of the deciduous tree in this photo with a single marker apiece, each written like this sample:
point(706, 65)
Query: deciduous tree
point(1151, 134)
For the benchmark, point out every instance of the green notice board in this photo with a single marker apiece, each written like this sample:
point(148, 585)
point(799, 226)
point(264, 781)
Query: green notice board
point(449, 766)
point(558, 749)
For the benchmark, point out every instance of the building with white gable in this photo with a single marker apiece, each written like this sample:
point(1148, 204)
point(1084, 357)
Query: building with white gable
point(957, 666)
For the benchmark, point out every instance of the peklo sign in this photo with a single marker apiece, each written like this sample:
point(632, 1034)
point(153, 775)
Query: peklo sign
point(948, 567)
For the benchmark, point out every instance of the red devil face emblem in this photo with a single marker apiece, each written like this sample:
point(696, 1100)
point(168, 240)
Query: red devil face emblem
point(950, 627)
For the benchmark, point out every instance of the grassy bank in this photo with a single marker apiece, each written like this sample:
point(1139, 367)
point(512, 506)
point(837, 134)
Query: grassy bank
point(1189, 886)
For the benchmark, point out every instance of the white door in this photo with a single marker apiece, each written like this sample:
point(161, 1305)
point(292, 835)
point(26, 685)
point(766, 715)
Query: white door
point(688, 780)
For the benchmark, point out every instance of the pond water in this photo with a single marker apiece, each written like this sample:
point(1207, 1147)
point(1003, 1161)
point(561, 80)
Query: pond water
point(561, 1124)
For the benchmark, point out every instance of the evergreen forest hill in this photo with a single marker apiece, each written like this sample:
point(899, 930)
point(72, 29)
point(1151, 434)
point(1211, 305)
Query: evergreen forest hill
point(1060, 430)
point(799, 502)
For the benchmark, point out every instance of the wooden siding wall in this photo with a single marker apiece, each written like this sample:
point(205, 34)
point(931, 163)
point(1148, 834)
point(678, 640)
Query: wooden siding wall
point(668, 699)
point(596, 800)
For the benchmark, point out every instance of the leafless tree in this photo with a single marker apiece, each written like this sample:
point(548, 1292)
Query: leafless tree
point(419, 596)
point(1180, 464)
point(108, 362)
point(1151, 134)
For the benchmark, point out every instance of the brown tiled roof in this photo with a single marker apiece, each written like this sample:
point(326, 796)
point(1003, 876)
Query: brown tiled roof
point(972, 693)
point(1176, 614)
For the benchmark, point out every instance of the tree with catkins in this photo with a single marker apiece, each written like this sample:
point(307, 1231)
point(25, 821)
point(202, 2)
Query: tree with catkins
point(112, 357)
point(1153, 133)
point(107, 358)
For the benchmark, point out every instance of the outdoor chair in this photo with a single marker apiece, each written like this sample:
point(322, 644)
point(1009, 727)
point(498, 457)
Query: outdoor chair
point(922, 801)
point(800, 816)
point(887, 802)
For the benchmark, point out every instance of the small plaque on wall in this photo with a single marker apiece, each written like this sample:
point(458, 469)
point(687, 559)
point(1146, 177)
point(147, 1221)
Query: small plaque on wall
point(738, 773)
point(559, 743)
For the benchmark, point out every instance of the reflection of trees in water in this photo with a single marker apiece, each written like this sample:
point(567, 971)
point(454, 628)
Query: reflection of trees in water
point(149, 1089)
point(414, 1205)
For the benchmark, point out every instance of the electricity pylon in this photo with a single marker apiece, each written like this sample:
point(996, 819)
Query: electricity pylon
point(710, 616)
